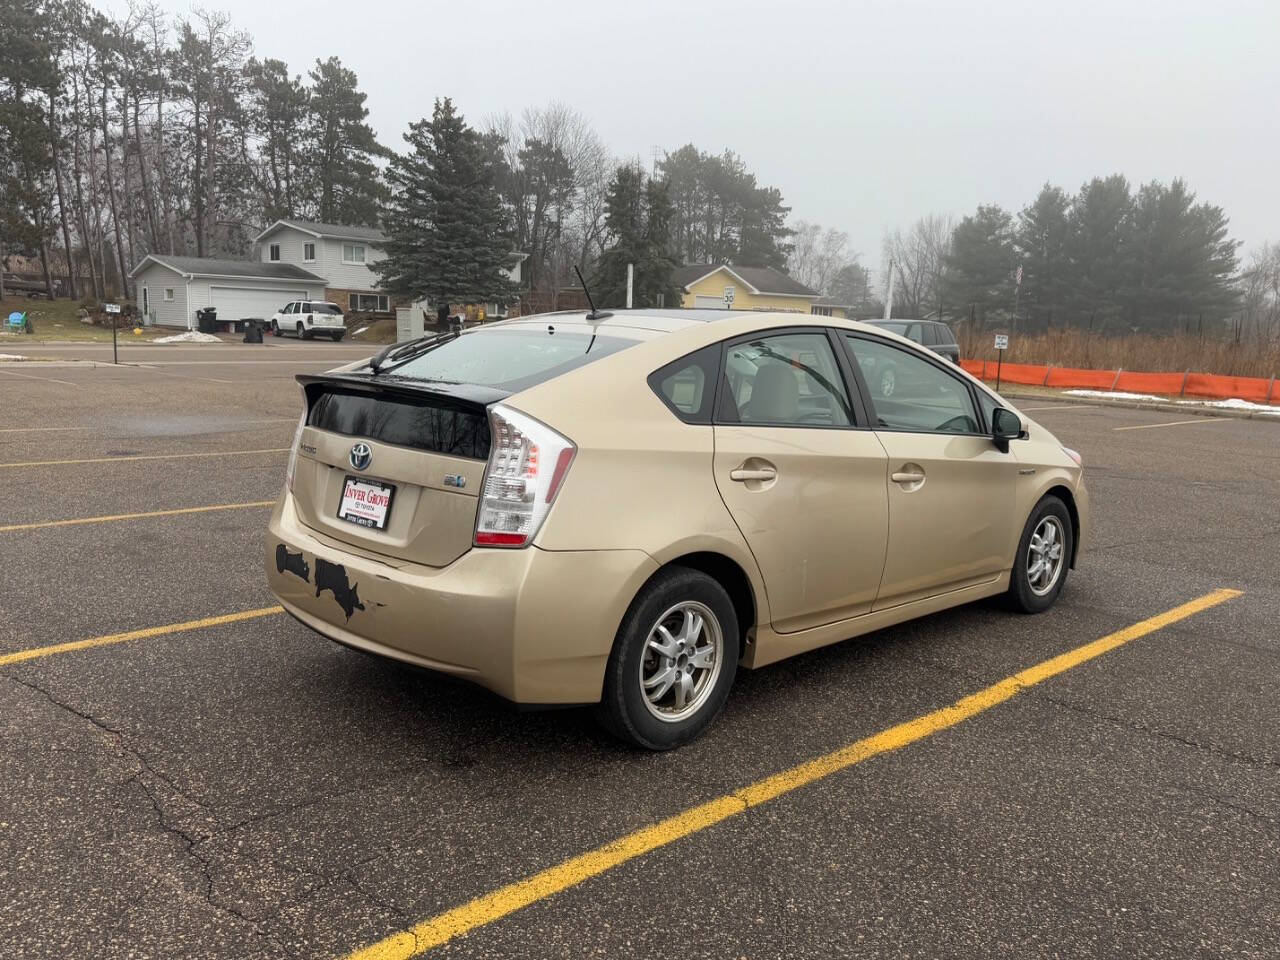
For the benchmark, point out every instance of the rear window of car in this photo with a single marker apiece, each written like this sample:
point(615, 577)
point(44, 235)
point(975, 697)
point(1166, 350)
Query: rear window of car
point(509, 359)
point(328, 308)
point(945, 336)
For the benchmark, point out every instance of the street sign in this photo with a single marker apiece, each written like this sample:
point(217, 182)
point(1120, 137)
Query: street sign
point(728, 296)
point(111, 307)
point(1002, 341)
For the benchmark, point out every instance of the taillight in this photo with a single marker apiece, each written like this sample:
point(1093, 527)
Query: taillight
point(292, 469)
point(527, 465)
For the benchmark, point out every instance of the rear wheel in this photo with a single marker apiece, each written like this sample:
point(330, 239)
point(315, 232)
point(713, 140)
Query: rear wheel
point(1043, 558)
point(673, 661)
point(337, 335)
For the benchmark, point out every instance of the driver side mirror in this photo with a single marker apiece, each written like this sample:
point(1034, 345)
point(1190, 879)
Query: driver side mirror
point(1005, 426)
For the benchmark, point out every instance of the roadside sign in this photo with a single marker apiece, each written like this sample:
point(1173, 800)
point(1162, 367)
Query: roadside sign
point(728, 296)
point(1002, 341)
point(111, 307)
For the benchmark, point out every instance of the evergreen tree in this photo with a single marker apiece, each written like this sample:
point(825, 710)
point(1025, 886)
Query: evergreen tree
point(1041, 241)
point(342, 148)
point(1100, 250)
point(277, 109)
point(638, 220)
point(445, 220)
point(979, 278)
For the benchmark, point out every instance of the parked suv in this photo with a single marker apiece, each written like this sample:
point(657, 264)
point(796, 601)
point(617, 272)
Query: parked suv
point(928, 333)
point(306, 318)
point(623, 509)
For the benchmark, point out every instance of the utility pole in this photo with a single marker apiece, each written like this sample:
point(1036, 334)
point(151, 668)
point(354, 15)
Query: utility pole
point(631, 276)
point(888, 300)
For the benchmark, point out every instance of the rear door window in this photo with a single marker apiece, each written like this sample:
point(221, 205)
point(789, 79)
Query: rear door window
point(788, 379)
point(509, 359)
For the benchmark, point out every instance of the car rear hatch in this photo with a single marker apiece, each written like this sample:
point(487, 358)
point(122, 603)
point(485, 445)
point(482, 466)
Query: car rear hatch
point(391, 458)
point(420, 447)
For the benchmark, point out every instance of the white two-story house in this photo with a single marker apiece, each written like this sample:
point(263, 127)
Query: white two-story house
point(344, 256)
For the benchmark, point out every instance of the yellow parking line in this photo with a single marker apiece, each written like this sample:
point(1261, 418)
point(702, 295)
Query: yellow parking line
point(1174, 423)
point(37, 652)
point(148, 456)
point(133, 516)
point(493, 906)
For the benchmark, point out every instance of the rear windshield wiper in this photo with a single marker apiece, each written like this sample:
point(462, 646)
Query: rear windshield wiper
point(407, 351)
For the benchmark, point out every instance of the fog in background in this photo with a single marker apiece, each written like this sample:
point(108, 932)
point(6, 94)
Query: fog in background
point(866, 115)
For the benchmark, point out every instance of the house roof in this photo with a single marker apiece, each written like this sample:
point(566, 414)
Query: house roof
point(338, 231)
point(832, 302)
point(759, 280)
point(212, 267)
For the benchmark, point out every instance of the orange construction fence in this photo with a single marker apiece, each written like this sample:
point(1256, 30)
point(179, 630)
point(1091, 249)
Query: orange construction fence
point(1256, 389)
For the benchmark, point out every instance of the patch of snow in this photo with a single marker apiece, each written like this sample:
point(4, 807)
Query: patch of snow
point(1115, 395)
point(11, 356)
point(360, 331)
point(191, 336)
point(1235, 403)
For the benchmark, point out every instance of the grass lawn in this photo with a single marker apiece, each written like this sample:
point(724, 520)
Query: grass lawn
point(379, 331)
point(56, 320)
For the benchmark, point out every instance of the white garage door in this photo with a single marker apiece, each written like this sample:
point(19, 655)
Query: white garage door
point(716, 303)
point(240, 303)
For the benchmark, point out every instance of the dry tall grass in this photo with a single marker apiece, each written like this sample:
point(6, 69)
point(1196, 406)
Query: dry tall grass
point(1145, 353)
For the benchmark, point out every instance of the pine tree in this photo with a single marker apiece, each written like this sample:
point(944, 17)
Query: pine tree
point(1041, 241)
point(979, 279)
point(1100, 250)
point(445, 221)
point(638, 220)
point(343, 148)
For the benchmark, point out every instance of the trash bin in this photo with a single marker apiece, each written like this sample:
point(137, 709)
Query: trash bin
point(207, 319)
point(253, 330)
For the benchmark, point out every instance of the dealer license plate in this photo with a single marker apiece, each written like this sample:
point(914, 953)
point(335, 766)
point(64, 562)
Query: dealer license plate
point(366, 502)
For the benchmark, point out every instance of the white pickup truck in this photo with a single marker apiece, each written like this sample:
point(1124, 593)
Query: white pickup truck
point(306, 318)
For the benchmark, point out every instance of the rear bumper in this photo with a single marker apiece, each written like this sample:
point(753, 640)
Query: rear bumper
point(534, 626)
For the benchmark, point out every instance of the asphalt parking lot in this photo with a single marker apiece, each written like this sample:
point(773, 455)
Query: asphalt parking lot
point(186, 772)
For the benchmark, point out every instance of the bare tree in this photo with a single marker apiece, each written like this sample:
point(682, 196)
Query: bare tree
point(818, 254)
point(918, 258)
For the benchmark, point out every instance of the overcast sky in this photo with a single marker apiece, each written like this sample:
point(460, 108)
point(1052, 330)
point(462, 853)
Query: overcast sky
point(866, 115)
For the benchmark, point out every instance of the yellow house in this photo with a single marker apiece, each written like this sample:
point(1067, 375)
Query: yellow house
point(717, 285)
point(829, 307)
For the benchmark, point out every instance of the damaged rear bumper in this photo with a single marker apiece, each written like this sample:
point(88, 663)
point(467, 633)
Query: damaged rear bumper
point(534, 626)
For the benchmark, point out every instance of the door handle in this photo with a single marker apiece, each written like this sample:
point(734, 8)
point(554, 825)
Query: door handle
point(904, 477)
point(743, 474)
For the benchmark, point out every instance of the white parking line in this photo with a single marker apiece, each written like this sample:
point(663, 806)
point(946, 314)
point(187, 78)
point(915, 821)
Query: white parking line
point(27, 376)
point(1174, 423)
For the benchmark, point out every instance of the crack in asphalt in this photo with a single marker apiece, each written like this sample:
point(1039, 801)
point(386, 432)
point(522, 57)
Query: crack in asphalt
point(190, 841)
point(1133, 726)
point(1269, 822)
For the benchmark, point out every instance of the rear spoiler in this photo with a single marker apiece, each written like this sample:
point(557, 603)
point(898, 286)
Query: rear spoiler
point(467, 396)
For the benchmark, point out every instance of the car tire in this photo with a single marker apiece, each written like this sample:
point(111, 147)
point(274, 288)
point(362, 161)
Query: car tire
point(302, 333)
point(1047, 539)
point(275, 329)
point(336, 337)
point(671, 713)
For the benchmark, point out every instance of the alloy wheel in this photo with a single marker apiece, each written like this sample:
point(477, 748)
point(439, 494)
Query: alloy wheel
point(1044, 556)
point(682, 659)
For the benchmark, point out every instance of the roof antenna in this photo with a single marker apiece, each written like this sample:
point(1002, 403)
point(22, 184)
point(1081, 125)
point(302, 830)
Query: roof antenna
point(594, 314)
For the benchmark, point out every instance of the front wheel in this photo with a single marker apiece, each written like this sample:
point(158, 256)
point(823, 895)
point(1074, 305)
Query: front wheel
point(336, 336)
point(673, 661)
point(1043, 558)
point(275, 329)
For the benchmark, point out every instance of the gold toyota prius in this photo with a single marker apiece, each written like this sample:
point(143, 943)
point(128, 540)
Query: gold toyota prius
point(624, 508)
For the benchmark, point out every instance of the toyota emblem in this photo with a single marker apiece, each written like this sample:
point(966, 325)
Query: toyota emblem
point(361, 456)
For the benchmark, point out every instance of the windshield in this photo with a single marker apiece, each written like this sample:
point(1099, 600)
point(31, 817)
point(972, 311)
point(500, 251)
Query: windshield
point(508, 359)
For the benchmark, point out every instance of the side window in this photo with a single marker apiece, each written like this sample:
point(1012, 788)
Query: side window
point(688, 385)
point(288, 308)
point(930, 332)
point(945, 336)
point(910, 393)
point(913, 333)
point(788, 379)
point(304, 308)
